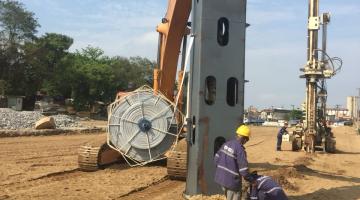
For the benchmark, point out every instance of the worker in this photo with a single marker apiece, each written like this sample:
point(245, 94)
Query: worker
point(299, 126)
point(265, 188)
point(281, 132)
point(231, 164)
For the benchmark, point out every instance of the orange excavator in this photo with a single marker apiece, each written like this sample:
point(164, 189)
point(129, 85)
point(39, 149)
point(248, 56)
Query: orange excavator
point(145, 125)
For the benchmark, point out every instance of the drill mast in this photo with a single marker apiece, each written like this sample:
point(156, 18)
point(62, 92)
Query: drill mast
point(316, 72)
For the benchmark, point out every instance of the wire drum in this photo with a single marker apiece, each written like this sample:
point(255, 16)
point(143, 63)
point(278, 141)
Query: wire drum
point(142, 126)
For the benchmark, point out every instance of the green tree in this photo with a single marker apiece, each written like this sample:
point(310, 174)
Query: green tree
point(91, 77)
point(142, 71)
point(17, 26)
point(29, 63)
point(47, 61)
point(137, 71)
point(296, 114)
point(96, 77)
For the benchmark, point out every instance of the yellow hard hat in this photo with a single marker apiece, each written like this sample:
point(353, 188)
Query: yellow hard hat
point(243, 131)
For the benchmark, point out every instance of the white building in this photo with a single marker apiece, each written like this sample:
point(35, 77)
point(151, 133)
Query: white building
point(337, 113)
point(352, 106)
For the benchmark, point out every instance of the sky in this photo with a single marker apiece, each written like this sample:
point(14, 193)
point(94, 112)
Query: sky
point(275, 43)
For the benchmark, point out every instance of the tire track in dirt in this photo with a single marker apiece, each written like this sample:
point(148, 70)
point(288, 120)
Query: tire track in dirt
point(61, 175)
point(47, 156)
point(166, 188)
point(163, 189)
point(16, 187)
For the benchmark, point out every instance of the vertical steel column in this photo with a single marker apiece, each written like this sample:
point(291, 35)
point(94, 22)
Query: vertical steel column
point(324, 63)
point(326, 20)
point(356, 102)
point(311, 72)
point(217, 82)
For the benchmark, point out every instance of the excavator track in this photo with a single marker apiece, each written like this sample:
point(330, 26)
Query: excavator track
point(177, 161)
point(93, 158)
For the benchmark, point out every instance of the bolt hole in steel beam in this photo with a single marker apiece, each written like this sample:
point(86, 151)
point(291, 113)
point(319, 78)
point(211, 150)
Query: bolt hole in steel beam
point(219, 141)
point(223, 31)
point(210, 90)
point(193, 132)
point(232, 91)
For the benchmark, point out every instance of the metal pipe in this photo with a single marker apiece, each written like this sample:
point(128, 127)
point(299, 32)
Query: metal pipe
point(311, 82)
point(183, 56)
point(308, 34)
point(316, 32)
point(324, 40)
point(188, 118)
point(313, 33)
point(159, 50)
point(326, 18)
point(181, 75)
point(157, 70)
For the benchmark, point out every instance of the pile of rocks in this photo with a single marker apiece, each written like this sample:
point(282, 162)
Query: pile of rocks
point(66, 121)
point(12, 120)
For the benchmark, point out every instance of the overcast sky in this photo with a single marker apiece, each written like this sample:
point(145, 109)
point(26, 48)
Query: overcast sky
point(276, 40)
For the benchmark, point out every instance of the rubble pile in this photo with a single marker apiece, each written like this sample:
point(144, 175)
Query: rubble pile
point(66, 121)
point(12, 120)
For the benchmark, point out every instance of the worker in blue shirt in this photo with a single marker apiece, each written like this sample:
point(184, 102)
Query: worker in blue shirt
point(265, 188)
point(281, 132)
point(231, 164)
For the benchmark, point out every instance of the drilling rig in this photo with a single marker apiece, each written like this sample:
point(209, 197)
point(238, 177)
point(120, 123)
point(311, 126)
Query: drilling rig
point(319, 67)
point(144, 125)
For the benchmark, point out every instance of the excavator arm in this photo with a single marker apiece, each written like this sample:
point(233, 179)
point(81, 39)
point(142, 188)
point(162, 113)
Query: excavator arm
point(171, 30)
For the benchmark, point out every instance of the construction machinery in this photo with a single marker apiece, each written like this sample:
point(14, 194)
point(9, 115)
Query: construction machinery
point(145, 124)
point(315, 134)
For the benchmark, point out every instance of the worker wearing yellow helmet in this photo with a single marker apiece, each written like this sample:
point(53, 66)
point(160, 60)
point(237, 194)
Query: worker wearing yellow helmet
point(231, 164)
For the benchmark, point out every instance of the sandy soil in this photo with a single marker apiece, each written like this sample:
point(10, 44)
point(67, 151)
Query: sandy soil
point(94, 123)
point(46, 168)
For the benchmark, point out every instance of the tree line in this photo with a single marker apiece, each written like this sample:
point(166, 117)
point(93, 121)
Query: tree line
point(31, 63)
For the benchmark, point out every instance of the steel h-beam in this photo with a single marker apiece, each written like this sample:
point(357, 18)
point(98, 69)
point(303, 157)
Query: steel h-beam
point(217, 87)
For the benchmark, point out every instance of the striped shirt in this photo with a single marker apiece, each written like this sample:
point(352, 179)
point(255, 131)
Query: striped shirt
point(267, 188)
point(231, 163)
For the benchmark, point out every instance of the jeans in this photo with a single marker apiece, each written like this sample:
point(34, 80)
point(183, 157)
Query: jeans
point(278, 144)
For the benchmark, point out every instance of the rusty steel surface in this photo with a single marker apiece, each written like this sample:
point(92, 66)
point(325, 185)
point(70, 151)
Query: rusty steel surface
point(216, 94)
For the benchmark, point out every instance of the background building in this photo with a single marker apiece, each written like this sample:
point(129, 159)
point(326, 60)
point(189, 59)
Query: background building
point(353, 107)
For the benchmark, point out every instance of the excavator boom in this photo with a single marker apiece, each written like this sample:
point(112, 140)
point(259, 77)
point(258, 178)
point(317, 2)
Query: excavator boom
point(171, 30)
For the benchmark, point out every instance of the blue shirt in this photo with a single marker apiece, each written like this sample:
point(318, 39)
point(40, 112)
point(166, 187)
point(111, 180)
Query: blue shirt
point(281, 132)
point(267, 188)
point(231, 163)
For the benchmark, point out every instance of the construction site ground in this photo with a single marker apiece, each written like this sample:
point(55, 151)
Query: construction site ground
point(45, 167)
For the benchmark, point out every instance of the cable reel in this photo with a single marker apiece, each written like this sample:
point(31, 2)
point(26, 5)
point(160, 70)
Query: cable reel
point(142, 126)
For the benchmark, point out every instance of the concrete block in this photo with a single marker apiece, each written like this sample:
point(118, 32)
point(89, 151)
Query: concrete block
point(45, 123)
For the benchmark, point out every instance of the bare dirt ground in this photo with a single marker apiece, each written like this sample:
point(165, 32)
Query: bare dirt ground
point(45, 167)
